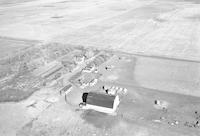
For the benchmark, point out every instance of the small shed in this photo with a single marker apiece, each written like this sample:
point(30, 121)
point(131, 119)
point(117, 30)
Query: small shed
point(100, 102)
point(65, 90)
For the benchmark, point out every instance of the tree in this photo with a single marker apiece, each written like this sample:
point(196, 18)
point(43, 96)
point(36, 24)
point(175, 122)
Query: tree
point(89, 53)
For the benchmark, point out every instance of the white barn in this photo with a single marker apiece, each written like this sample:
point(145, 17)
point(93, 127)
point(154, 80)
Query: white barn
point(100, 102)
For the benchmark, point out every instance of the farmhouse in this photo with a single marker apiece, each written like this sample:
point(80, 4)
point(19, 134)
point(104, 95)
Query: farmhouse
point(100, 102)
point(79, 59)
point(89, 68)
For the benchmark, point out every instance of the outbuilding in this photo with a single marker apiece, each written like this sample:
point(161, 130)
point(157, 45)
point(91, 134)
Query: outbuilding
point(100, 102)
point(65, 90)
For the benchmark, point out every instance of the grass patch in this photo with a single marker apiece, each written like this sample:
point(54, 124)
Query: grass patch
point(14, 95)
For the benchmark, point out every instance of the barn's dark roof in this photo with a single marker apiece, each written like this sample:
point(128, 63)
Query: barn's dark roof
point(99, 99)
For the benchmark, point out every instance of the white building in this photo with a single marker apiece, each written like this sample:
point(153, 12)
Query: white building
point(100, 102)
point(89, 68)
point(93, 82)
